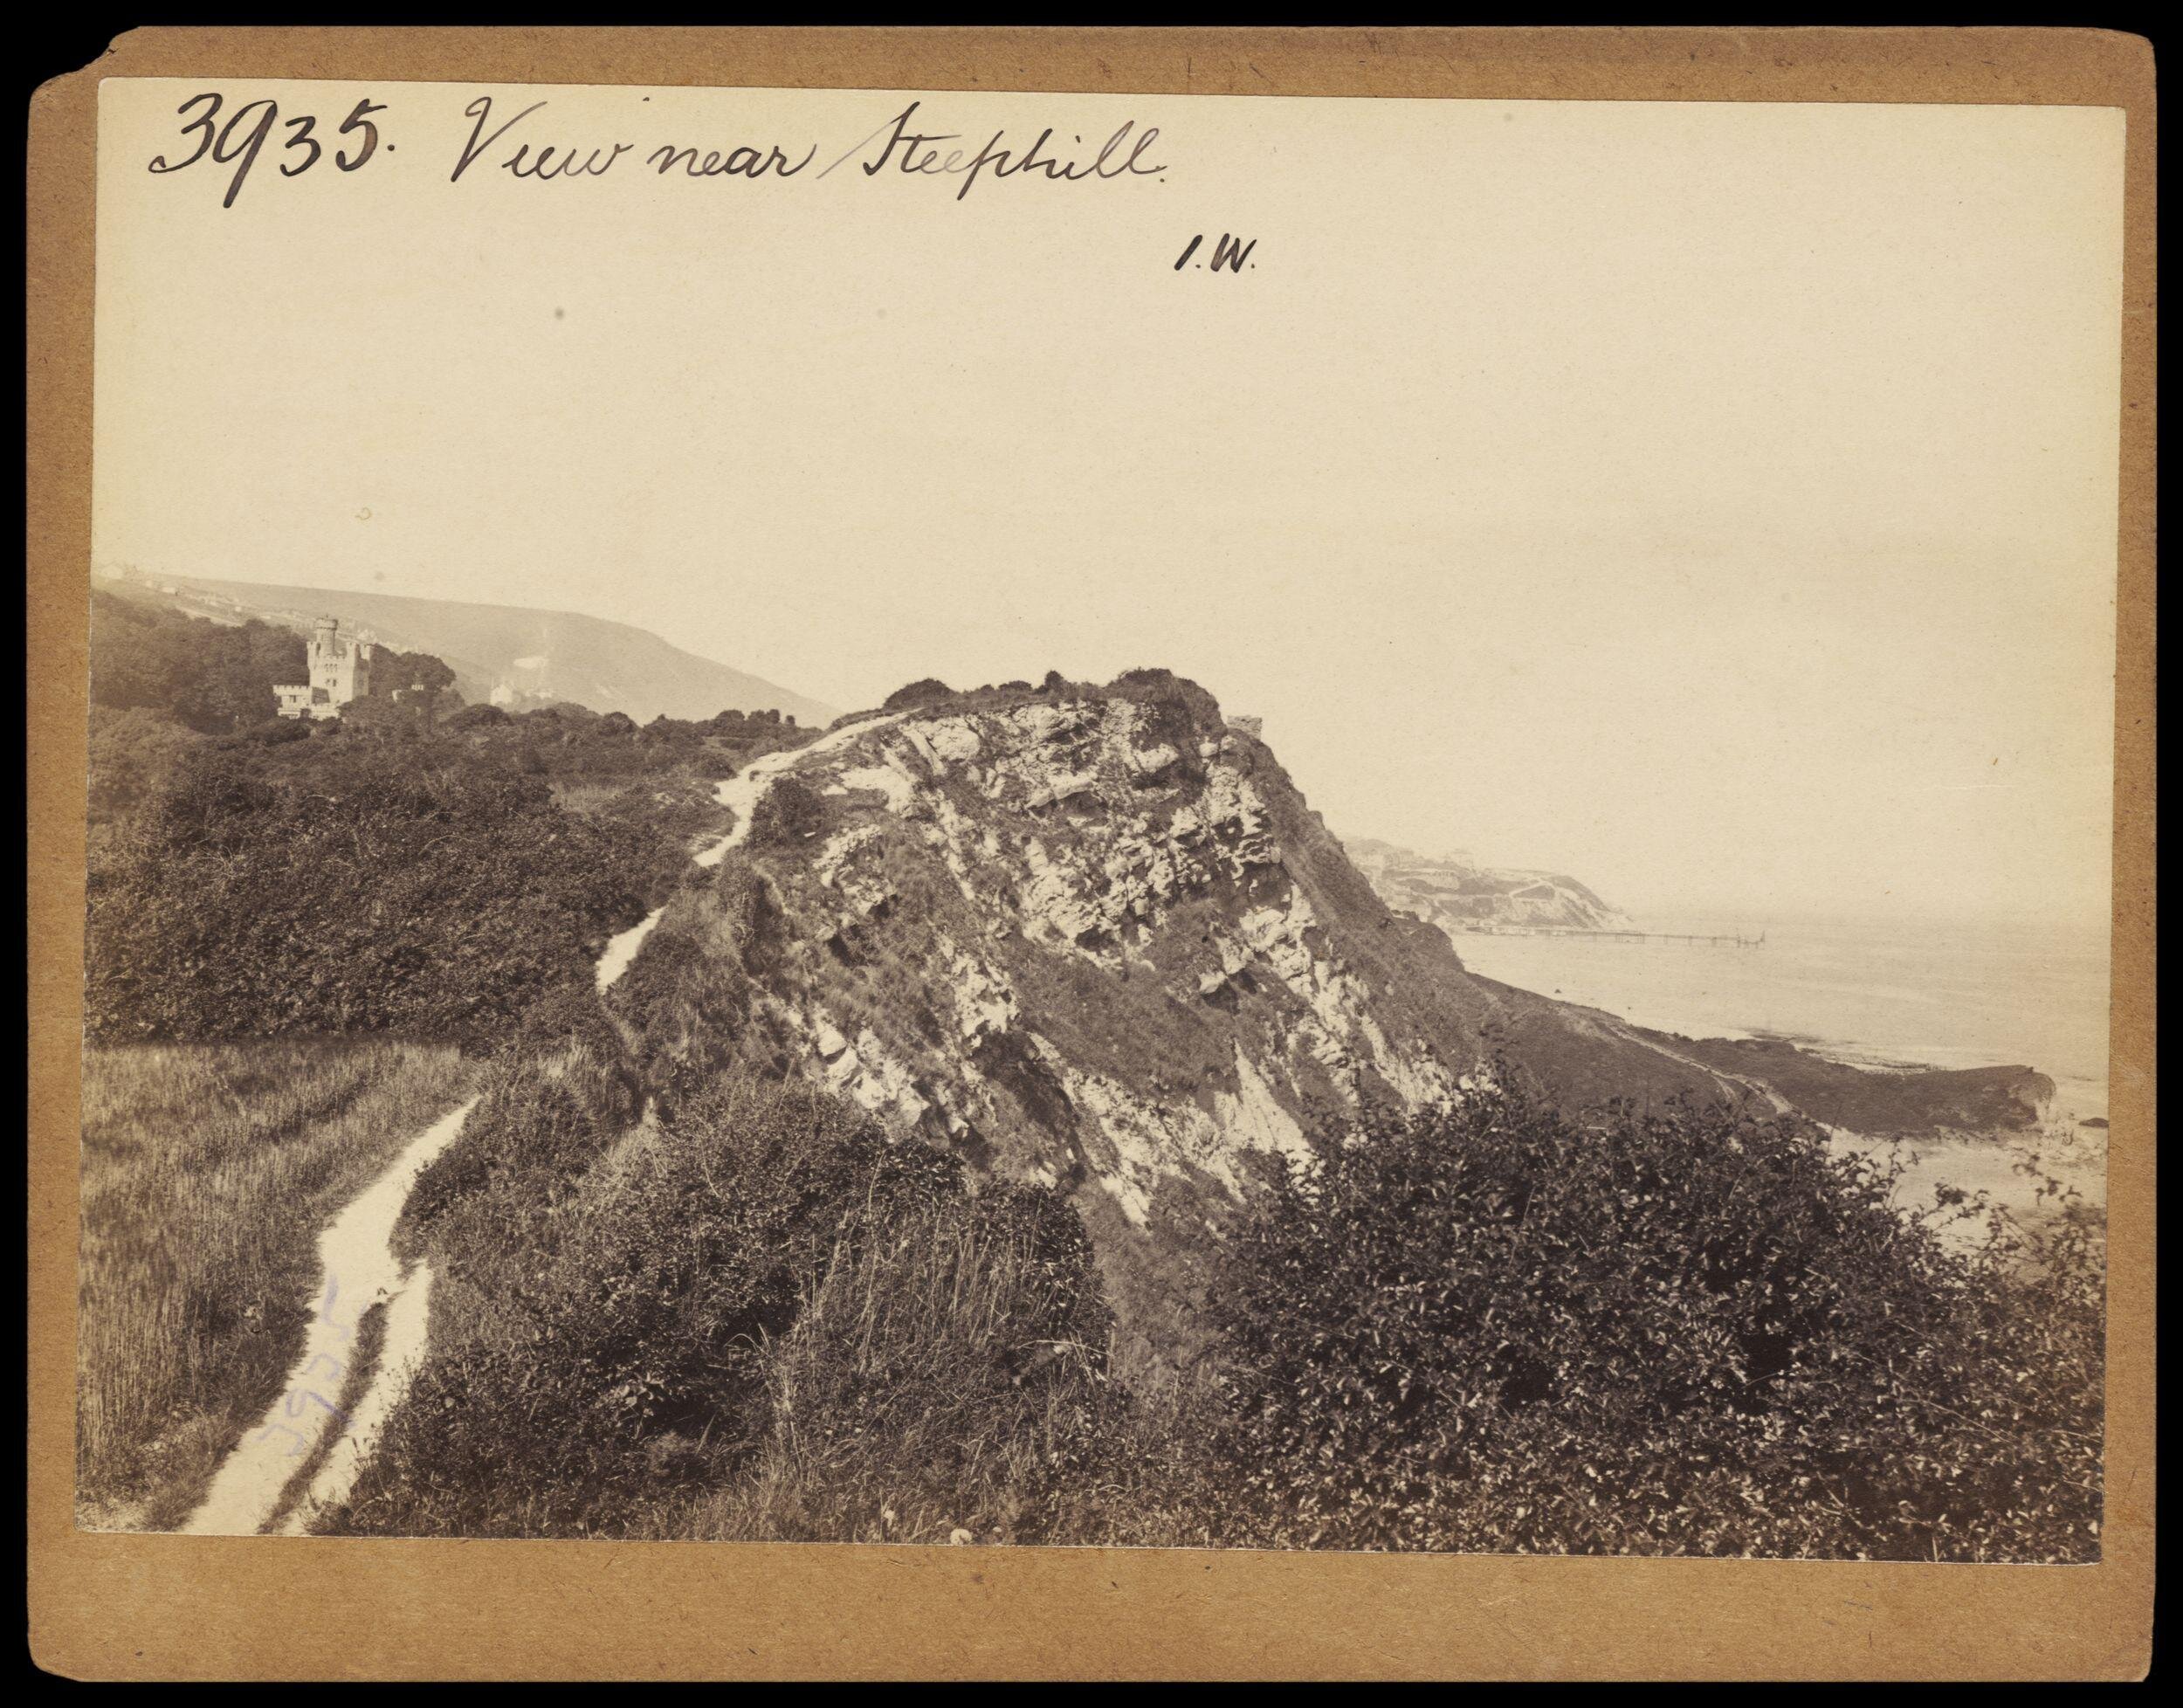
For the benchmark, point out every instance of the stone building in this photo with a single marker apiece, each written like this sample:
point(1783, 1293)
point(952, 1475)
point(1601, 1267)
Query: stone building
point(341, 672)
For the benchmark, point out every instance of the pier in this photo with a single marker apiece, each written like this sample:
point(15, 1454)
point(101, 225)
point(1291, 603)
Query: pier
point(1728, 940)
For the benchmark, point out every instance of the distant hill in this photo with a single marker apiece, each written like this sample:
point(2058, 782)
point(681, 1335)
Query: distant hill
point(1457, 894)
point(536, 656)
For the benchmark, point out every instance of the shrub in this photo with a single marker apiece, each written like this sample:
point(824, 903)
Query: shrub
point(926, 691)
point(336, 887)
point(395, 672)
point(134, 754)
point(789, 811)
point(1687, 1332)
point(212, 678)
point(646, 1301)
point(385, 718)
point(944, 1370)
point(278, 732)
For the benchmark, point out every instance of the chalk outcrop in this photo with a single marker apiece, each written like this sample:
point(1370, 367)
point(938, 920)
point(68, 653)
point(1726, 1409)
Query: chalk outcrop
point(1454, 893)
point(1092, 938)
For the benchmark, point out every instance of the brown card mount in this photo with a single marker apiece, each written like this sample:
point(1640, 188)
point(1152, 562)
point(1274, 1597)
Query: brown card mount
point(127, 1605)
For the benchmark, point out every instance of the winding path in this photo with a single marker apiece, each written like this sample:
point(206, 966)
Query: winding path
point(740, 795)
point(1722, 1077)
point(358, 1268)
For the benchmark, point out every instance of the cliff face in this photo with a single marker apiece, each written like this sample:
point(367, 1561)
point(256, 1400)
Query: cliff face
point(1454, 893)
point(1095, 937)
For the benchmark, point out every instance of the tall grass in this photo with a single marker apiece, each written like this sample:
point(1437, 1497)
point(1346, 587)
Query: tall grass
point(929, 1385)
point(208, 1171)
point(755, 1317)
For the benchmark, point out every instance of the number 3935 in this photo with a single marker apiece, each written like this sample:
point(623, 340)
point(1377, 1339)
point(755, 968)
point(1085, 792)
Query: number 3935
point(238, 141)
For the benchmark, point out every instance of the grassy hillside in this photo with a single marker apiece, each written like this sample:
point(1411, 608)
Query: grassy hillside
point(1922, 1101)
point(208, 1171)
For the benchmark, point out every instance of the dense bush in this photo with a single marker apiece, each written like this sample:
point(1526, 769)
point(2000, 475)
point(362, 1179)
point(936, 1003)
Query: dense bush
point(944, 1370)
point(278, 732)
point(928, 690)
point(1686, 1333)
point(381, 717)
point(344, 887)
point(394, 672)
point(655, 1311)
point(210, 677)
point(134, 753)
point(379, 870)
point(789, 811)
point(748, 1315)
point(613, 749)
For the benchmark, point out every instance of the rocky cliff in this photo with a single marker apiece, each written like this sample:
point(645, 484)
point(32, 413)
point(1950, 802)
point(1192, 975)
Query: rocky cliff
point(1454, 893)
point(1092, 937)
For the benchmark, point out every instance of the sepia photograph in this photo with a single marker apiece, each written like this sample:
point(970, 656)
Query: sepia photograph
point(997, 819)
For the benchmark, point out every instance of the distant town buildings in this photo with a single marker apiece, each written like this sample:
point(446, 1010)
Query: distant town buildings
point(341, 672)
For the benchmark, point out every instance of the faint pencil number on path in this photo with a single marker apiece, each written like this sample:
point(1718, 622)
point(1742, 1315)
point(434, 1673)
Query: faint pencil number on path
point(1233, 253)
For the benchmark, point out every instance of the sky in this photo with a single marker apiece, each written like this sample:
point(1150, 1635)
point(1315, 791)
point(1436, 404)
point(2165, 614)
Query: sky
point(1714, 502)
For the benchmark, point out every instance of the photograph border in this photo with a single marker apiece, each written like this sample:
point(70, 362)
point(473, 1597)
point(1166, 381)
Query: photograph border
point(170, 1607)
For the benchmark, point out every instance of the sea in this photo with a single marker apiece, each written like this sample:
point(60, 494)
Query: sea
point(1952, 993)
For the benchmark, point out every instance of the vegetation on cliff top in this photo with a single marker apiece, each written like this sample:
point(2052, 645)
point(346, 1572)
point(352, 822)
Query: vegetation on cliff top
point(350, 891)
point(381, 874)
point(206, 675)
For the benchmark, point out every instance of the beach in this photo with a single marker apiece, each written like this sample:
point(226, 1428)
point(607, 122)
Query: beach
point(1874, 993)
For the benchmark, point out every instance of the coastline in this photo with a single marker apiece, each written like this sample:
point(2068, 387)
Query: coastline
point(1873, 995)
point(2011, 1025)
point(2007, 1168)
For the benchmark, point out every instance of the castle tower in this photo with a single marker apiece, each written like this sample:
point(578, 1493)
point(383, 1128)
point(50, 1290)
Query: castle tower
point(340, 671)
point(325, 664)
